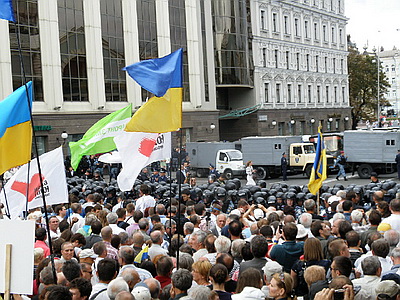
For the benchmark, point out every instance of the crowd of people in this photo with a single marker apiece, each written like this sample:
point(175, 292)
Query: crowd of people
point(218, 240)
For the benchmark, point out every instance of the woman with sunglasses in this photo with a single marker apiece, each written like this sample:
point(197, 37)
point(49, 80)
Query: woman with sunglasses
point(281, 287)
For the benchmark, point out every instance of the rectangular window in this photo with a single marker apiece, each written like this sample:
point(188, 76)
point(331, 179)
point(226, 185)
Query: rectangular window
point(344, 94)
point(289, 93)
point(281, 128)
point(299, 93)
point(306, 28)
point(302, 127)
point(298, 61)
point(335, 94)
point(308, 62)
point(263, 19)
point(274, 23)
point(341, 66)
point(278, 93)
point(309, 93)
point(287, 60)
point(318, 94)
point(264, 57)
point(341, 36)
point(276, 59)
point(327, 94)
point(333, 35)
point(286, 24)
point(390, 143)
point(393, 80)
point(266, 92)
point(296, 27)
point(326, 64)
point(315, 31)
point(334, 66)
point(324, 32)
point(393, 68)
point(317, 63)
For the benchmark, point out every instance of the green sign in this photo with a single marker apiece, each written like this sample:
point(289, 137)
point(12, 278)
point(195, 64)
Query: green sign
point(42, 128)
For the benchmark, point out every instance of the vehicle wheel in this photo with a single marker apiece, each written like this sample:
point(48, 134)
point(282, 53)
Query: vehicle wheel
point(364, 171)
point(308, 171)
point(262, 173)
point(200, 173)
point(228, 174)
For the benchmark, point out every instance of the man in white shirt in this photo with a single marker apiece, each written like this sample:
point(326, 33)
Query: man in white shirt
point(156, 249)
point(145, 199)
point(112, 219)
point(106, 271)
point(372, 276)
point(196, 241)
point(394, 219)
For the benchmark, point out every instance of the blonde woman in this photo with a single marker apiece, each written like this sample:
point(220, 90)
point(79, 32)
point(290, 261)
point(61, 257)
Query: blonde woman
point(250, 172)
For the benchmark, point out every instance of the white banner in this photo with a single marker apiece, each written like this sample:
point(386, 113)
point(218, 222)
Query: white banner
point(137, 150)
point(54, 184)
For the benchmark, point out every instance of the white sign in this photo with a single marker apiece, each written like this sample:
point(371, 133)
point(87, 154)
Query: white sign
point(21, 235)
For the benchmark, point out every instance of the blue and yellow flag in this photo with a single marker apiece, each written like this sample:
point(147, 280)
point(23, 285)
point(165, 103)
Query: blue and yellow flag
point(15, 129)
point(163, 78)
point(319, 170)
point(143, 255)
point(6, 10)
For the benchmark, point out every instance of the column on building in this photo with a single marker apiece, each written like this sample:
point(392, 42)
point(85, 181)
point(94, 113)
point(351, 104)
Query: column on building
point(6, 86)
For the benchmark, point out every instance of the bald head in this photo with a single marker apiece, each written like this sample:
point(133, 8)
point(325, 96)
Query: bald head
point(131, 277)
point(154, 287)
point(106, 233)
point(138, 239)
point(156, 237)
point(124, 295)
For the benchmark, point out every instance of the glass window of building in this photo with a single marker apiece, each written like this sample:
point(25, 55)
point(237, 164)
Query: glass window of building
point(319, 94)
point(73, 50)
point(278, 93)
point(286, 24)
point(344, 94)
point(274, 22)
point(287, 60)
point(296, 27)
point(333, 35)
point(113, 50)
point(324, 32)
point(289, 93)
point(276, 56)
point(326, 64)
point(298, 61)
point(262, 19)
point(317, 63)
point(335, 94)
point(266, 92)
point(316, 31)
point(27, 27)
point(327, 93)
point(306, 29)
point(281, 128)
point(264, 57)
point(309, 93)
point(299, 93)
point(308, 62)
point(334, 65)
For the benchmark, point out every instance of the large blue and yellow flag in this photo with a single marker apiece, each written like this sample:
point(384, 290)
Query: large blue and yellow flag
point(319, 170)
point(163, 78)
point(143, 255)
point(6, 10)
point(15, 129)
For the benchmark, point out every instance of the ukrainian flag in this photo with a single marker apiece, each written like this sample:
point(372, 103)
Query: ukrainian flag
point(143, 255)
point(15, 129)
point(163, 78)
point(319, 170)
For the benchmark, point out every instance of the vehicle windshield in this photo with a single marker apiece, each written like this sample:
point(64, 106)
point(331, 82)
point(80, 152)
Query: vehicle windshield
point(309, 149)
point(332, 143)
point(235, 155)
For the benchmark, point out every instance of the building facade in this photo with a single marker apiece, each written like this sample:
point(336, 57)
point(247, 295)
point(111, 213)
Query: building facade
point(390, 62)
point(251, 67)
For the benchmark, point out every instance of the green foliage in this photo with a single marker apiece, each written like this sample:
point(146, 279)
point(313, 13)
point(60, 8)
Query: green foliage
point(363, 86)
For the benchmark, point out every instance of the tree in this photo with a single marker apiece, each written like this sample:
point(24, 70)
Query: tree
point(363, 84)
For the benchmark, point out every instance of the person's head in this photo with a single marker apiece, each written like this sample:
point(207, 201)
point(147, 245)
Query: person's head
point(225, 259)
point(338, 247)
point(259, 245)
point(154, 287)
point(249, 277)
point(40, 234)
point(306, 220)
point(218, 274)
point(53, 223)
point(336, 224)
point(210, 243)
point(71, 270)
point(235, 228)
point(309, 205)
point(344, 227)
point(86, 270)
point(126, 256)
point(290, 231)
point(200, 271)
point(144, 190)
point(185, 261)
point(356, 216)
point(313, 250)
point(339, 282)
point(164, 266)
point(67, 250)
point(221, 220)
point(60, 210)
point(156, 237)
point(115, 286)
point(80, 289)
point(58, 292)
point(106, 270)
point(222, 244)
point(38, 255)
point(341, 265)
point(387, 290)
point(313, 274)
point(395, 255)
point(106, 233)
point(281, 286)
point(196, 240)
point(380, 248)
point(371, 266)
point(124, 295)
point(131, 276)
point(181, 280)
point(138, 239)
point(319, 228)
point(270, 268)
point(78, 240)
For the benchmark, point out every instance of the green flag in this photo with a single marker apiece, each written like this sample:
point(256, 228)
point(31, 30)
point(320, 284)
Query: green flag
point(100, 137)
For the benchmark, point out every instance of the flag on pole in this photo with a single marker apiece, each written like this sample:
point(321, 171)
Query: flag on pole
point(6, 10)
point(100, 137)
point(163, 78)
point(319, 169)
point(137, 150)
point(15, 129)
point(54, 184)
point(143, 255)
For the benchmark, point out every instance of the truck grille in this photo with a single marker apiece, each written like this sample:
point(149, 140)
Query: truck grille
point(330, 161)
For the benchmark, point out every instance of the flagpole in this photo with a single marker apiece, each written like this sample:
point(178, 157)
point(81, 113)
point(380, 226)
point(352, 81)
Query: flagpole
point(178, 225)
point(5, 198)
point(36, 152)
point(27, 190)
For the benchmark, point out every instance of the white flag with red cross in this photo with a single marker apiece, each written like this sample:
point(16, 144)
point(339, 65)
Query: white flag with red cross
point(54, 184)
point(137, 150)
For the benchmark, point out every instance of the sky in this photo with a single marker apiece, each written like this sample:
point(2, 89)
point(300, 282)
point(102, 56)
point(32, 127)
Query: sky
point(373, 23)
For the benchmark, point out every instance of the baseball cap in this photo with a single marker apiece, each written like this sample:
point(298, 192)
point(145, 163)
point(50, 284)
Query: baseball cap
point(258, 213)
point(87, 253)
point(388, 288)
point(236, 212)
point(141, 293)
point(301, 231)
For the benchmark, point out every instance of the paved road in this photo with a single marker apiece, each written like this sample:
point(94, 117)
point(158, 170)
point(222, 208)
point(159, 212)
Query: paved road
point(331, 180)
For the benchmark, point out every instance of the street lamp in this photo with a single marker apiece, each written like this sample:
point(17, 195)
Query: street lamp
point(212, 127)
point(64, 136)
